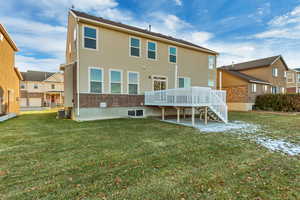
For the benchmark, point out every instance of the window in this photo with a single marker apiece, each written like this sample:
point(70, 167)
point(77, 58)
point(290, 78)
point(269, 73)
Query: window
point(115, 82)
point(52, 86)
point(35, 86)
point(274, 89)
point(96, 80)
point(253, 87)
point(159, 83)
point(22, 86)
point(133, 83)
point(151, 50)
point(211, 62)
point(284, 74)
point(184, 82)
point(135, 47)
point(173, 54)
point(290, 77)
point(90, 37)
point(298, 78)
point(265, 88)
point(211, 83)
point(275, 72)
point(135, 113)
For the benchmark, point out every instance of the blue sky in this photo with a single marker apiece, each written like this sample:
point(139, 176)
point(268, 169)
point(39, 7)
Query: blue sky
point(240, 30)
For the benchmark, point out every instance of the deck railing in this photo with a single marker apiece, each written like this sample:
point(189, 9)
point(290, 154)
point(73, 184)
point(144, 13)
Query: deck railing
point(190, 97)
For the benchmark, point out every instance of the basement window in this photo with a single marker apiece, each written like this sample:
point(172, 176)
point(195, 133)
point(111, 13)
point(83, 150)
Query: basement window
point(136, 113)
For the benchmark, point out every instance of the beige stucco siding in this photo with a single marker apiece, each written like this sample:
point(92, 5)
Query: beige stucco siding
point(113, 53)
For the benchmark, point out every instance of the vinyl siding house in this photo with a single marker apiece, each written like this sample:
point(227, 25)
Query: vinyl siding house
point(9, 75)
point(293, 81)
point(41, 89)
point(245, 81)
point(110, 67)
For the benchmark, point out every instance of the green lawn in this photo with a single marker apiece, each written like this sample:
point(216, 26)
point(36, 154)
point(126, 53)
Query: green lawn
point(45, 158)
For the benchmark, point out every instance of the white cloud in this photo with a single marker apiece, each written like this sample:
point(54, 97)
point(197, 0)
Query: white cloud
point(25, 63)
point(178, 2)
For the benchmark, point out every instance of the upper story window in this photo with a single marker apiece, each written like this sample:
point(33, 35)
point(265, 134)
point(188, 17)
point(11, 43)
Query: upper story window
point(133, 82)
point(211, 62)
point(135, 47)
point(151, 50)
point(52, 86)
point(253, 87)
point(115, 81)
point(184, 82)
point(96, 80)
point(172, 54)
point(35, 86)
point(275, 72)
point(90, 37)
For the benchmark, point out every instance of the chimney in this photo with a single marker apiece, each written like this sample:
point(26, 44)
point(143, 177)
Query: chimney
point(149, 27)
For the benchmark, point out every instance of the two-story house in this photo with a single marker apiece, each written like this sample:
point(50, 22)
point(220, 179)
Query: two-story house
point(110, 65)
point(41, 89)
point(293, 81)
point(9, 75)
point(244, 81)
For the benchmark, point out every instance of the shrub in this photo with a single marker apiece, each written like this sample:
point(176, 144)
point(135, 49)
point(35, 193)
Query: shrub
point(278, 102)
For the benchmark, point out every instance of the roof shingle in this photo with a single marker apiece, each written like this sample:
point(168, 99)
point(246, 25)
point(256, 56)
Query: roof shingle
point(36, 75)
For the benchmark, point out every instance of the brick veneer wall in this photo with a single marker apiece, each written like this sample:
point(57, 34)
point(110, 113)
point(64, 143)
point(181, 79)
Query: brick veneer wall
point(291, 90)
point(112, 100)
point(237, 94)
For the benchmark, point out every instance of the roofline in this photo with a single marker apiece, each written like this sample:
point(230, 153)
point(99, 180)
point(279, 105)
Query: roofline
point(9, 39)
point(18, 73)
point(250, 81)
point(83, 19)
point(280, 57)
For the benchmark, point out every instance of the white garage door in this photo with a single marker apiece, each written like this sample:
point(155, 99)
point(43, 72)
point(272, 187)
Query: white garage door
point(35, 102)
point(23, 102)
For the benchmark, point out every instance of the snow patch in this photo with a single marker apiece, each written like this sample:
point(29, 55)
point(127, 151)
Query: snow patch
point(234, 126)
point(279, 145)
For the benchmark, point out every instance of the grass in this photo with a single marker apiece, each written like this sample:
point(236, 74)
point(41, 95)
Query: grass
point(45, 158)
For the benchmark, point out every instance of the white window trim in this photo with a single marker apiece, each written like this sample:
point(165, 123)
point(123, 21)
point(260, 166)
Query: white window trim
point(97, 37)
point(117, 70)
point(253, 88)
point(140, 47)
point(166, 80)
point(156, 55)
point(185, 77)
point(138, 83)
point(275, 72)
point(89, 76)
point(170, 54)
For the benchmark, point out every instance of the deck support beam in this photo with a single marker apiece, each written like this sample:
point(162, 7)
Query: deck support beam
point(206, 111)
point(193, 116)
point(178, 115)
point(163, 113)
point(183, 110)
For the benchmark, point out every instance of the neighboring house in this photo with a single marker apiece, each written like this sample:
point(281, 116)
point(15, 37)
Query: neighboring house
point(244, 81)
point(9, 75)
point(42, 89)
point(293, 81)
point(109, 66)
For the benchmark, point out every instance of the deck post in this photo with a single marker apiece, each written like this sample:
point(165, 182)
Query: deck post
point(206, 114)
point(183, 113)
point(163, 113)
point(193, 116)
point(178, 115)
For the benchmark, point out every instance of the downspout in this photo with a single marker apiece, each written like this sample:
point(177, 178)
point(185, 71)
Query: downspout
point(176, 76)
point(77, 68)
